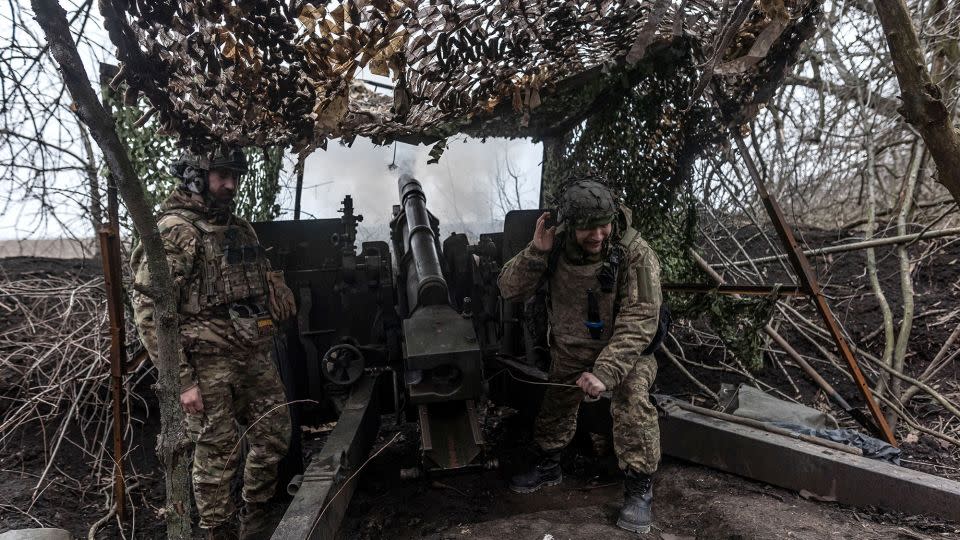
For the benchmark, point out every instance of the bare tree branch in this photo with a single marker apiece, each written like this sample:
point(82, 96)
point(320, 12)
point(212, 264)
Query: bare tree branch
point(923, 104)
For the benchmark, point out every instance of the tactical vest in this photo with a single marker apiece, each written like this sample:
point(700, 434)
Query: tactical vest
point(229, 266)
point(569, 298)
point(586, 278)
point(619, 251)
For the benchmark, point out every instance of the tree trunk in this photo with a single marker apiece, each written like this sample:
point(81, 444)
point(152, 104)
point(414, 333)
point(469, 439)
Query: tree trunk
point(946, 52)
point(871, 178)
point(906, 279)
point(923, 106)
point(172, 444)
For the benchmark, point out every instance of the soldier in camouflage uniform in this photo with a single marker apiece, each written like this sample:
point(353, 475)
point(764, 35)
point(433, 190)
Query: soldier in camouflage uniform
point(603, 284)
point(228, 299)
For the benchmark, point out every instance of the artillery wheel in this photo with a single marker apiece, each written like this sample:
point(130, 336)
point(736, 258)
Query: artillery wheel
point(342, 364)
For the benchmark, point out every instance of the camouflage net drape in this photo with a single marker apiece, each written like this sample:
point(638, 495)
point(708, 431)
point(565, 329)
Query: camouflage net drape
point(152, 153)
point(637, 89)
point(268, 72)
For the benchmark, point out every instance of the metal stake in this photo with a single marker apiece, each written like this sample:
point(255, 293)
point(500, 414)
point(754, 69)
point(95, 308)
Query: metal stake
point(808, 281)
point(109, 235)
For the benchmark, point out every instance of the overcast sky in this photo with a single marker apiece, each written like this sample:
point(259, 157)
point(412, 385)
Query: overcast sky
point(460, 188)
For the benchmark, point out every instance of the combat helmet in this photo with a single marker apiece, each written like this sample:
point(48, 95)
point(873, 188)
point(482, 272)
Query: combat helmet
point(192, 169)
point(585, 201)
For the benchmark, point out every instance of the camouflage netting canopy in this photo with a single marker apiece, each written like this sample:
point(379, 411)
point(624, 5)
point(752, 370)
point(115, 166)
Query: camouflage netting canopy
point(264, 72)
point(634, 89)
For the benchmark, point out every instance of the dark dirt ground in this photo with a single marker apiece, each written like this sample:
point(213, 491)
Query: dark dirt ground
point(691, 501)
point(72, 495)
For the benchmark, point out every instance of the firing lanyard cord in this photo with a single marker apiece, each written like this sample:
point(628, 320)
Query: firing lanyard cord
point(587, 397)
point(527, 381)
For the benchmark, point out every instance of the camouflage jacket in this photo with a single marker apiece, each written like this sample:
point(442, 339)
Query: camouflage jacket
point(614, 355)
point(198, 242)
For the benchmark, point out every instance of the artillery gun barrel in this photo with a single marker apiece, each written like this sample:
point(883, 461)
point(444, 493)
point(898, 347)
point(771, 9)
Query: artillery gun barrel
point(425, 283)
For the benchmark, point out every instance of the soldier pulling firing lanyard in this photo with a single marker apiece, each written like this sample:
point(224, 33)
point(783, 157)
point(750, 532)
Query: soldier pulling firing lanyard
point(603, 302)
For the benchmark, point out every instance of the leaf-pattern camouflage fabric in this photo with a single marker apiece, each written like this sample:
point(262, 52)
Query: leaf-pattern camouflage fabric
point(615, 358)
point(244, 389)
point(282, 73)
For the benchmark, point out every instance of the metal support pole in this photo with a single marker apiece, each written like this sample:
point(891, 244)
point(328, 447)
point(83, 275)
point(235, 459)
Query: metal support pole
point(808, 281)
point(721, 288)
point(299, 190)
point(109, 235)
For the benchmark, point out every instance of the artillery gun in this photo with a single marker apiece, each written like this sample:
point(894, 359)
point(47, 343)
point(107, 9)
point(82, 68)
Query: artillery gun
point(409, 327)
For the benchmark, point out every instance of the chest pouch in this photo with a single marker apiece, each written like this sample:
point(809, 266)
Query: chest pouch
point(252, 322)
point(242, 268)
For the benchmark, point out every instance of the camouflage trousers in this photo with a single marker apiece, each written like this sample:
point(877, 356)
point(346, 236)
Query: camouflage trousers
point(636, 431)
point(244, 389)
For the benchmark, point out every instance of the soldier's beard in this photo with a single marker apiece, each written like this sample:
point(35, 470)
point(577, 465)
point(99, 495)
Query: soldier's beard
point(222, 200)
point(220, 208)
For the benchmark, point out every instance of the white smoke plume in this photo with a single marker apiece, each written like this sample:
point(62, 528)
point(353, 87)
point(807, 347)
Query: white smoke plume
point(462, 189)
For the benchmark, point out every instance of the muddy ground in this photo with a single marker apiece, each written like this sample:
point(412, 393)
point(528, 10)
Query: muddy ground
point(690, 502)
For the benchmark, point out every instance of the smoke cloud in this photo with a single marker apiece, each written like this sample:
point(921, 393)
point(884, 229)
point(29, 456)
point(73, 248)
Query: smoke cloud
point(462, 190)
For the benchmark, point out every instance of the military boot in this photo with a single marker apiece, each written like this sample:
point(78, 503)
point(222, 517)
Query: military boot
point(255, 521)
point(224, 531)
point(637, 502)
point(544, 474)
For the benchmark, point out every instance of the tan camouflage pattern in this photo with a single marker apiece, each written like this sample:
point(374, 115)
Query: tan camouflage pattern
point(244, 389)
point(615, 359)
point(237, 379)
point(205, 326)
point(233, 267)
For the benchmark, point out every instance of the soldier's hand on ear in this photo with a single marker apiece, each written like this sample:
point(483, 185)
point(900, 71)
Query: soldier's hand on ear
point(590, 384)
point(282, 304)
point(191, 400)
point(544, 236)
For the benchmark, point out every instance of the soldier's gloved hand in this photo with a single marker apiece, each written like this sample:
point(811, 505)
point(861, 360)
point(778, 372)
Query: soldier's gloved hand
point(282, 304)
point(590, 384)
point(544, 236)
point(191, 400)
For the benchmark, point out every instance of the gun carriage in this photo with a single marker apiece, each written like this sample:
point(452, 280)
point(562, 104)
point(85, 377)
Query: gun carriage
point(410, 327)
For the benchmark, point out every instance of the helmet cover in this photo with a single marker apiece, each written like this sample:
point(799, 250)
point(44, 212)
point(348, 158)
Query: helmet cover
point(585, 202)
